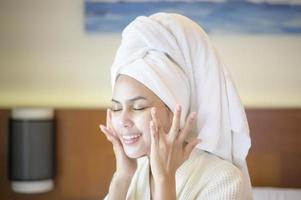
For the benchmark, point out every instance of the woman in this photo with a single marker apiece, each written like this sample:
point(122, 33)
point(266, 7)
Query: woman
point(172, 93)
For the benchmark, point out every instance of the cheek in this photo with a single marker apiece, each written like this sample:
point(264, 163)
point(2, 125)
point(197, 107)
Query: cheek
point(142, 122)
point(114, 123)
point(145, 129)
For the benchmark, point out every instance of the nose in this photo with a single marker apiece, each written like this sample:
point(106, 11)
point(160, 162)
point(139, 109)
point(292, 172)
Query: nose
point(126, 119)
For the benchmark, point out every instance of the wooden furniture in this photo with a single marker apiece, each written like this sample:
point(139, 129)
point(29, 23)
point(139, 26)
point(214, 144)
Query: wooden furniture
point(85, 161)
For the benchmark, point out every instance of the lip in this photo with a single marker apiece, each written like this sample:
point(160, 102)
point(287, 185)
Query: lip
point(131, 138)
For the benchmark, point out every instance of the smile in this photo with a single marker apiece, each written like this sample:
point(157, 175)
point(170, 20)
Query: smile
point(130, 139)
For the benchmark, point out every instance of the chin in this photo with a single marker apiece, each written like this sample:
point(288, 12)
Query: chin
point(135, 155)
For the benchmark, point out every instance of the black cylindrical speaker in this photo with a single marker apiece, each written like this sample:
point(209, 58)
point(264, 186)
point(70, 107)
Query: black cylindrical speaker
point(31, 150)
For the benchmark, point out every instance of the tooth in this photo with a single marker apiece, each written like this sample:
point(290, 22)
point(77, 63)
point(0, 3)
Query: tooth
point(129, 137)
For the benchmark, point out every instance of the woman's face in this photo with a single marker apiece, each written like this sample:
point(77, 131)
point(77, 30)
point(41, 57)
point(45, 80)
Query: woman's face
point(131, 106)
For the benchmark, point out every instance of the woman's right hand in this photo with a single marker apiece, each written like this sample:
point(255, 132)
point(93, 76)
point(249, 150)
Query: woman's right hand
point(125, 166)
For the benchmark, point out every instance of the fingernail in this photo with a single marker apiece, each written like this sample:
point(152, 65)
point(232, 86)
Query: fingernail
point(102, 127)
point(192, 115)
point(178, 107)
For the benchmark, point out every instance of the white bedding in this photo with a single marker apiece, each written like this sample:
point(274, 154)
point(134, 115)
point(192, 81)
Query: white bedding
point(272, 193)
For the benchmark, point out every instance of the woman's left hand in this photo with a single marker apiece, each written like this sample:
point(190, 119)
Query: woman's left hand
point(169, 150)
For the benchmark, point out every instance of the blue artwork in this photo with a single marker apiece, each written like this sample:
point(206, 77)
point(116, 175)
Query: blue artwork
point(215, 16)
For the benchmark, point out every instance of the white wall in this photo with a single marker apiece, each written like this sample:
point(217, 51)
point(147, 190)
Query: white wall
point(47, 59)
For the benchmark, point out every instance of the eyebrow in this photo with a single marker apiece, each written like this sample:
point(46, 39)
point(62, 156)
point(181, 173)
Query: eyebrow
point(132, 99)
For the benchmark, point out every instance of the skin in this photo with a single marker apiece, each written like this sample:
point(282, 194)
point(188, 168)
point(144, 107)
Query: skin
point(136, 111)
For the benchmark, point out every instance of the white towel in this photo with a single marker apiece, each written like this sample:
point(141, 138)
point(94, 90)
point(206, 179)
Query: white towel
point(172, 56)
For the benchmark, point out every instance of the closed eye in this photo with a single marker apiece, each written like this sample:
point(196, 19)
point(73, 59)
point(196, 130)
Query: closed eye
point(116, 110)
point(142, 108)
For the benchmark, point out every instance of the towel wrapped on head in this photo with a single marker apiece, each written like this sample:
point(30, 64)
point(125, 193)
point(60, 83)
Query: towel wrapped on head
point(173, 57)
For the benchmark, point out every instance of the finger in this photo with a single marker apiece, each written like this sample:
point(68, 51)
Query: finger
point(106, 132)
point(190, 146)
point(175, 127)
point(155, 118)
point(154, 133)
point(108, 117)
point(187, 128)
point(109, 122)
point(110, 136)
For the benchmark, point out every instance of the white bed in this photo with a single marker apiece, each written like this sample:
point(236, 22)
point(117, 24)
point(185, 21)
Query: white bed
point(273, 193)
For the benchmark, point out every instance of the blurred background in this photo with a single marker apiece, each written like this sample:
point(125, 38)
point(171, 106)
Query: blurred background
point(50, 57)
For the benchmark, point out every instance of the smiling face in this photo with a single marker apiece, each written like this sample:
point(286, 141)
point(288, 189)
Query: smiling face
point(131, 106)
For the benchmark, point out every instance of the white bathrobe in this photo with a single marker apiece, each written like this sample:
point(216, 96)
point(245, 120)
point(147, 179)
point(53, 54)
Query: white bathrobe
point(202, 177)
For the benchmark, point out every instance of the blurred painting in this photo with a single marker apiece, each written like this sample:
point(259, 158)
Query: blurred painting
point(215, 16)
